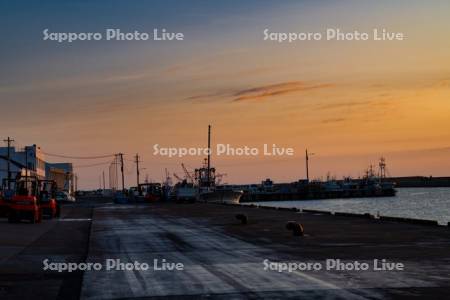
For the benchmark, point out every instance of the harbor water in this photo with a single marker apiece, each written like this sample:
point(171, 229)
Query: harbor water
point(418, 203)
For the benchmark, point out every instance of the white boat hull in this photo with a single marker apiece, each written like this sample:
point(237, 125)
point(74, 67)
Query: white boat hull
point(221, 196)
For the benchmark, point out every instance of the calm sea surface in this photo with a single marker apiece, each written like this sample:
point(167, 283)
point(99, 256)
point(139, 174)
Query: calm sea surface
point(419, 203)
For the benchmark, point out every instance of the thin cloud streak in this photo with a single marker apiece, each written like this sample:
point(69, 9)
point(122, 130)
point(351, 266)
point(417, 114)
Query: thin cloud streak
point(283, 88)
point(262, 92)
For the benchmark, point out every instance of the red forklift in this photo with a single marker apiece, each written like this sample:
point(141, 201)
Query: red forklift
point(150, 191)
point(47, 198)
point(5, 197)
point(4, 204)
point(24, 204)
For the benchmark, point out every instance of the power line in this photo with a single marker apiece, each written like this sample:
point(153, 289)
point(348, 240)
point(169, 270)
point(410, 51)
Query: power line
point(78, 157)
point(92, 165)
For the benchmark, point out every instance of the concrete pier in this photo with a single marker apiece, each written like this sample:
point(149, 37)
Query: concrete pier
point(221, 257)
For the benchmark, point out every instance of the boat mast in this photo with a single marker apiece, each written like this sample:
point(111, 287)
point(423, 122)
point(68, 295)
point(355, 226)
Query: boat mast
point(307, 166)
point(382, 165)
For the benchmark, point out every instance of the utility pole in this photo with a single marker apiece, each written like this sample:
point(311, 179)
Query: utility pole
point(115, 173)
point(137, 172)
point(9, 140)
point(110, 177)
point(26, 166)
point(104, 187)
point(121, 170)
point(209, 155)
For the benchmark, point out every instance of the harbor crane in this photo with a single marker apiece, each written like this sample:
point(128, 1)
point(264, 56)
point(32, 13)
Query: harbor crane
point(178, 177)
point(189, 176)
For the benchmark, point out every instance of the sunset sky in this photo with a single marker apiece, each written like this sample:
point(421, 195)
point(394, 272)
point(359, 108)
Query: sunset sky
point(349, 102)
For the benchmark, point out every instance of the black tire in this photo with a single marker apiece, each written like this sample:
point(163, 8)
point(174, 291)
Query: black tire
point(12, 218)
point(48, 214)
point(32, 218)
point(58, 211)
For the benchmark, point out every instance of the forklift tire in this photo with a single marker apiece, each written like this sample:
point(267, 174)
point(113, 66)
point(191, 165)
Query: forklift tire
point(58, 211)
point(39, 220)
point(33, 219)
point(12, 218)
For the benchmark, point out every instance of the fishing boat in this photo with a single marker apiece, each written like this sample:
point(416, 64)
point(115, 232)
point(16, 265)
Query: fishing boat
point(208, 191)
point(185, 191)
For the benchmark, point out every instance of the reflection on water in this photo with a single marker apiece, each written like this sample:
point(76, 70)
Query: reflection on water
point(419, 203)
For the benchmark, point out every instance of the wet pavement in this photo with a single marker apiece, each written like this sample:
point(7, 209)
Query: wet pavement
point(216, 256)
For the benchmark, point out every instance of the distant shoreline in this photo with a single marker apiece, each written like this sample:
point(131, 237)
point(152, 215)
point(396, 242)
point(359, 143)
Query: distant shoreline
point(420, 181)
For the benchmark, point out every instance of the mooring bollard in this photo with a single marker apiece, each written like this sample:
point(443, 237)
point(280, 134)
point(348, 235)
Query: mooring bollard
point(243, 218)
point(296, 228)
